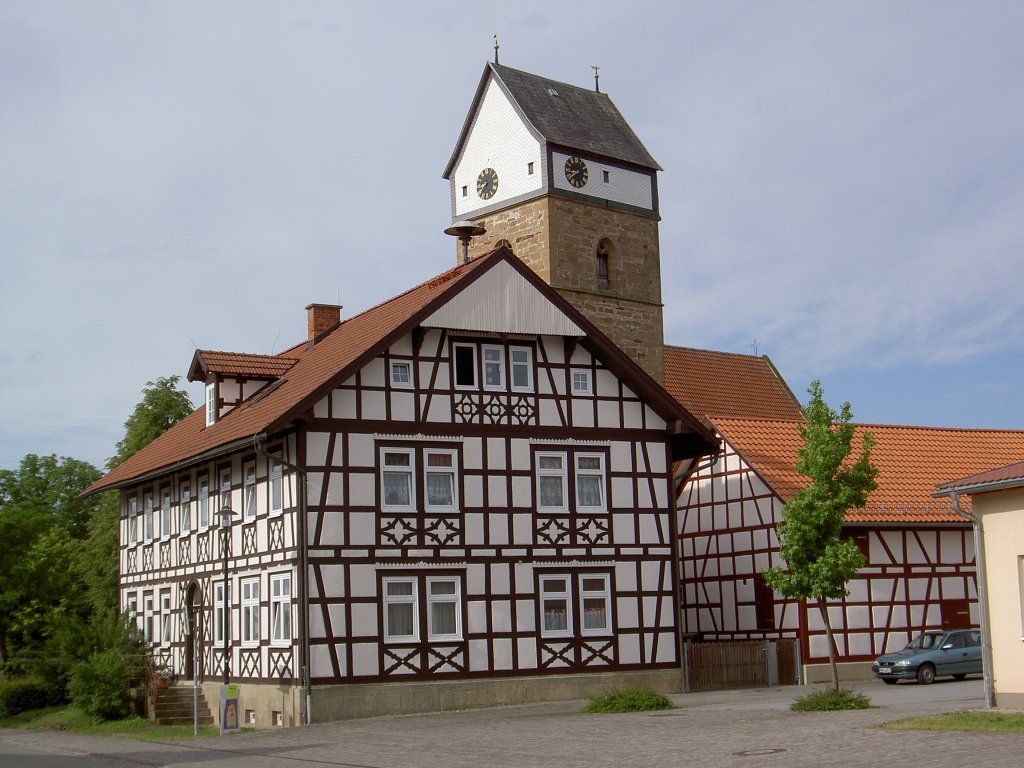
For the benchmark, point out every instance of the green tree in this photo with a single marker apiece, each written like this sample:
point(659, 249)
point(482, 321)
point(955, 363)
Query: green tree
point(41, 515)
point(819, 563)
point(162, 406)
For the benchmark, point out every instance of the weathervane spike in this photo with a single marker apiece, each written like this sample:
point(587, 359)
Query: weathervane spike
point(496, 47)
point(597, 86)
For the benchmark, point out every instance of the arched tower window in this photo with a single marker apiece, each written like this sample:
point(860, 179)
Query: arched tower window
point(605, 249)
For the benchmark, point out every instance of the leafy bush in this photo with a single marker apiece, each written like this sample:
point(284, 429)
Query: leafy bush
point(20, 696)
point(639, 698)
point(99, 685)
point(830, 700)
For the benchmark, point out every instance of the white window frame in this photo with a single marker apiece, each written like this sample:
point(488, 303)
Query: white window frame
point(582, 383)
point(496, 353)
point(389, 600)
point(219, 613)
point(147, 517)
point(224, 496)
point(165, 513)
point(605, 594)
point(131, 606)
point(165, 617)
point(514, 365)
point(473, 355)
point(203, 511)
point(549, 594)
point(249, 491)
point(600, 473)
point(397, 379)
point(132, 519)
point(409, 471)
point(452, 472)
point(281, 609)
point(250, 604)
point(211, 403)
point(275, 487)
point(185, 509)
point(563, 473)
point(149, 618)
point(454, 599)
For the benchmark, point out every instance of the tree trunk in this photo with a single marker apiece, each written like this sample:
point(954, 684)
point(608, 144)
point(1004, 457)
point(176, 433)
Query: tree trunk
point(823, 608)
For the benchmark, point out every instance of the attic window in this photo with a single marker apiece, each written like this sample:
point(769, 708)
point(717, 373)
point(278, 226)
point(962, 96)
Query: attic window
point(606, 176)
point(552, 92)
point(465, 191)
point(529, 169)
point(211, 404)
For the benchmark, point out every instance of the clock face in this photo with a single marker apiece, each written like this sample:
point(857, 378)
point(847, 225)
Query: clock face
point(576, 171)
point(487, 183)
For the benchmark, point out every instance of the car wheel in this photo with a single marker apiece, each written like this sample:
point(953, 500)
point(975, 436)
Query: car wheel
point(926, 674)
point(959, 677)
point(890, 680)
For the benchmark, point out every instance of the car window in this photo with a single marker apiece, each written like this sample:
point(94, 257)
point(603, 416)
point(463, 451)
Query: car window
point(925, 641)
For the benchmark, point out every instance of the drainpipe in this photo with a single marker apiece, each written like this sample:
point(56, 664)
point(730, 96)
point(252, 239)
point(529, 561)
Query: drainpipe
point(979, 560)
point(303, 623)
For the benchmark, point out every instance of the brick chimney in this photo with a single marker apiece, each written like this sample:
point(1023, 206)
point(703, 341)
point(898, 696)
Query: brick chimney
point(320, 317)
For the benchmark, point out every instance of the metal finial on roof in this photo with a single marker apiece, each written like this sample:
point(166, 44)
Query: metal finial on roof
point(597, 86)
point(496, 47)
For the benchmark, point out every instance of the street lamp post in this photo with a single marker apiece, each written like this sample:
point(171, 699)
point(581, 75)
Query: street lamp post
point(225, 523)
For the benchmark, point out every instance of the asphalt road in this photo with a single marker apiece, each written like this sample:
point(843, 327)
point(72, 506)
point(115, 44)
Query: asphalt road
point(750, 728)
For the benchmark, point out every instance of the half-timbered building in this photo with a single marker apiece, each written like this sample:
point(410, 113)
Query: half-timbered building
point(920, 561)
point(460, 496)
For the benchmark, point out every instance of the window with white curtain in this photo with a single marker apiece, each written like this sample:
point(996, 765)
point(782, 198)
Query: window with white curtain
point(562, 595)
point(595, 604)
point(443, 614)
point(551, 481)
point(400, 609)
point(555, 606)
point(439, 479)
point(590, 481)
point(397, 487)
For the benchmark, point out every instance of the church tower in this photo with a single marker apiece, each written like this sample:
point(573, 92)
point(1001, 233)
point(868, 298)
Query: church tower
point(555, 172)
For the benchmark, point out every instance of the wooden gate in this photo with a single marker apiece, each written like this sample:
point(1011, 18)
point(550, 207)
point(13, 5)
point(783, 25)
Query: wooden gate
point(740, 664)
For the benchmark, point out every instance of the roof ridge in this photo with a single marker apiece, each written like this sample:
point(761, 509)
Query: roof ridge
point(716, 351)
point(278, 356)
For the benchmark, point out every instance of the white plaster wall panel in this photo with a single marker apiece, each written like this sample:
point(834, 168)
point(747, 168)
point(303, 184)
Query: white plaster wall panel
point(361, 451)
point(498, 522)
point(643, 496)
point(472, 456)
point(527, 648)
point(915, 554)
point(403, 406)
point(364, 659)
point(918, 588)
point(478, 656)
point(316, 448)
point(497, 491)
point(364, 620)
point(343, 404)
point(496, 454)
point(362, 490)
point(476, 616)
point(503, 654)
point(554, 350)
point(649, 530)
point(608, 414)
point(473, 487)
point(623, 186)
point(881, 589)
point(362, 529)
point(374, 404)
point(548, 412)
point(857, 617)
point(333, 579)
point(654, 421)
point(250, 388)
point(522, 529)
point(742, 541)
point(661, 494)
point(621, 456)
point(526, 615)
point(362, 581)
point(321, 409)
point(720, 520)
point(744, 564)
point(722, 567)
point(953, 589)
point(632, 415)
point(522, 492)
point(656, 458)
point(951, 547)
point(858, 590)
point(473, 529)
point(497, 139)
point(582, 413)
point(622, 492)
point(373, 373)
point(335, 489)
point(332, 533)
point(687, 547)
point(629, 649)
point(402, 346)
point(320, 661)
point(501, 615)
point(337, 616)
point(606, 384)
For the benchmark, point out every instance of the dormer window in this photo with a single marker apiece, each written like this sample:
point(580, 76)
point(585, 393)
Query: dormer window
point(211, 403)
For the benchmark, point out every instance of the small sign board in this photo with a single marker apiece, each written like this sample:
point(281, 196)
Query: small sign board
point(230, 721)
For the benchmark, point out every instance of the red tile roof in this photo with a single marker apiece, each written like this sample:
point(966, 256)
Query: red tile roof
point(345, 349)
point(911, 462)
point(723, 384)
point(999, 475)
point(238, 365)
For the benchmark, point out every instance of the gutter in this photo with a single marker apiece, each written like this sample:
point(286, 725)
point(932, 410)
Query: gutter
point(300, 535)
point(979, 557)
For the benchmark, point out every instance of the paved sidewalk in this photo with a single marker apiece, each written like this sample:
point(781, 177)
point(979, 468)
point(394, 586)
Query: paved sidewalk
point(732, 728)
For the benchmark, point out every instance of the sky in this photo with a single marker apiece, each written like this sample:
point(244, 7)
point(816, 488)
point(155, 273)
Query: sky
point(843, 185)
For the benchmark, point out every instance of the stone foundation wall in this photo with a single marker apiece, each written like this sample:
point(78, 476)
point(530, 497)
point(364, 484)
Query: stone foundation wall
point(342, 702)
point(265, 699)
